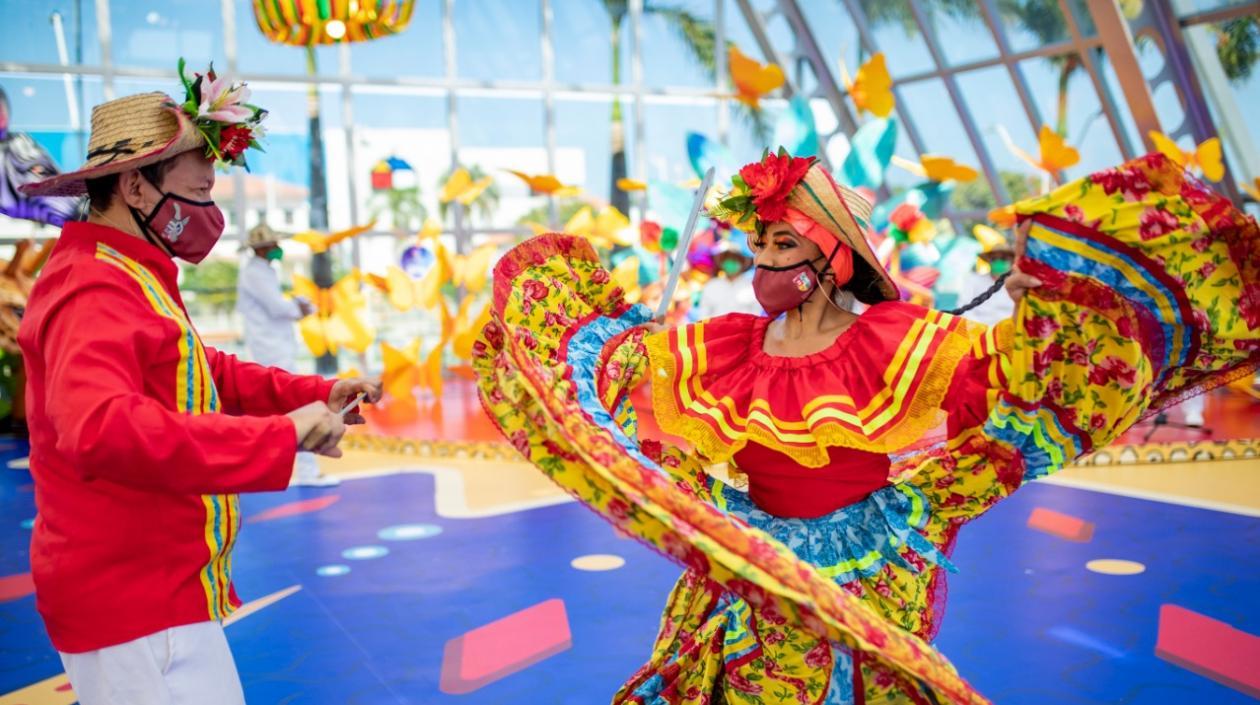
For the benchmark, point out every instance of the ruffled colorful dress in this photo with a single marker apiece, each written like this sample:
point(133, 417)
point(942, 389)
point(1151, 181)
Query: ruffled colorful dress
point(825, 582)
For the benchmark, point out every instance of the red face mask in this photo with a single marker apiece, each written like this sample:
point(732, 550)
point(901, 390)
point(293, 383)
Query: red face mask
point(780, 289)
point(182, 227)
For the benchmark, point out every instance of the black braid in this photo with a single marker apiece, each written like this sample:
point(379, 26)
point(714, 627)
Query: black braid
point(988, 294)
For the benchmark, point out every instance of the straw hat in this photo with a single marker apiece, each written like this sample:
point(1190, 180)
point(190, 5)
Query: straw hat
point(844, 213)
point(127, 133)
point(262, 235)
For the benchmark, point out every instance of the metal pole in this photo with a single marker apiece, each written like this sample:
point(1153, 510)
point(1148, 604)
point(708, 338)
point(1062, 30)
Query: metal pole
point(1232, 123)
point(240, 189)
point(867, 38)
point(78, 59)
point(352, 171)
point(452, 114)
point(549, 103)
point(636, 72)
point(813, 54)
point(72, 104)
point(1100, 87)
point(722, 85)
point(964, 113)
point(1118, 43)
point(988, 10)
point(321, 263)
point(104, 36)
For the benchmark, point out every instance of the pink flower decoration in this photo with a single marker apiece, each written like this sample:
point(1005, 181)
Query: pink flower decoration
point(223, 101)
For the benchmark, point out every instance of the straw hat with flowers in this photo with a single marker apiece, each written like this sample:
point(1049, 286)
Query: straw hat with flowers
point(139, 130)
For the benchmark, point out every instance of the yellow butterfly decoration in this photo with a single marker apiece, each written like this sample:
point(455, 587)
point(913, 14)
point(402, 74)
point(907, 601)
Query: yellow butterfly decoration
point(940, 168)
point(472, 271)
point(1206, 157)
point(320, 242)
point(1054, 153)
point(987, 237)
point(405, 293)
point(1252, 189)
point(429, 230)
point(1002, 216)
point(626, 184)
point(935, 167)
point(461, 188)
point(626, 276)
point(752, 79)
point(605, 229)
point(402, 369)
point(467, 329)
point(338, 320)
point(546, 184)
point(871, 88)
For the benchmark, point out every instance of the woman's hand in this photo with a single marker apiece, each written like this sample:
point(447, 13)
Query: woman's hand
point(656, 326)
point(1019, 283)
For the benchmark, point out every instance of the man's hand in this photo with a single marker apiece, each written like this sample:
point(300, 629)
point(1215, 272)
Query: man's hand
point(347, 389)
point(304, 305)
point(319, 429)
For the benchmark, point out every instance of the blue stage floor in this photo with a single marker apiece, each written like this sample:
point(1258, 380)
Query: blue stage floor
point(1027, 623)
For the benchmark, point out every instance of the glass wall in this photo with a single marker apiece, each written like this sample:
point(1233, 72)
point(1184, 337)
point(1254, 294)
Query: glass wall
point(561, 85)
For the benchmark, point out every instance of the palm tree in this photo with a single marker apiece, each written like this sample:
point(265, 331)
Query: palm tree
point(403, 205)
point(1238, 46)
point(699, 38)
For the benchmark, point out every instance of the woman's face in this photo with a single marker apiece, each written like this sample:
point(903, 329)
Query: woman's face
point(779, 245)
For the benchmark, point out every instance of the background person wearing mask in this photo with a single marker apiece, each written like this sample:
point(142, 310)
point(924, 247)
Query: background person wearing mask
point(141, 436)
point(999, 306)
point(730, 290)
point(269, 320)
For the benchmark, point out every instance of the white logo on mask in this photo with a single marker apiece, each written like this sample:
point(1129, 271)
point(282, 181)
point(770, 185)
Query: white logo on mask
point(175, 228)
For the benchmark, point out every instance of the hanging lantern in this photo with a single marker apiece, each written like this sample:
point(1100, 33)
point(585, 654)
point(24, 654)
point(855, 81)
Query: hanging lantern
point(312, 22)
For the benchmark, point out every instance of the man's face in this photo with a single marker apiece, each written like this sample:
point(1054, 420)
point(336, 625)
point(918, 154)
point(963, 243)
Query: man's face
point(731, 264)
point(190, 176)
point(1001, 264)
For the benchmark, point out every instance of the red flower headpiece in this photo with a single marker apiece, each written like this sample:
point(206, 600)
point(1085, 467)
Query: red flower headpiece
point(760, 190)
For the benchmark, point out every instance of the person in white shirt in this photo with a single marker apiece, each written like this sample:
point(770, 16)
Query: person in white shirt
point(999, 306)
point(730, 291)
point(269, 320)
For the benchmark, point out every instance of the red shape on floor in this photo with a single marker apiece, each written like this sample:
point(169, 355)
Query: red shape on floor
point(13, 587)
point(503, 647)
point(1210, 648)
point(305, 506)
point(1065, 526)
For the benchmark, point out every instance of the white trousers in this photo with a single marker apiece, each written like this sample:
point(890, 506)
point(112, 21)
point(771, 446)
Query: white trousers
point(307, 466)
point(185, 665)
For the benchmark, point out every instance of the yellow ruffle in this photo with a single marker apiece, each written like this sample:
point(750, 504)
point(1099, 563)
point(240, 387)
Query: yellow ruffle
point(923, 415)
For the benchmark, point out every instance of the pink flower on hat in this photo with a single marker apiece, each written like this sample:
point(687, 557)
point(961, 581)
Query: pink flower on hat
point(223, 101)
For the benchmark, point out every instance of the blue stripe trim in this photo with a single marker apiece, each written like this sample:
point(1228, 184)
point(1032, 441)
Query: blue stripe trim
point(1114, 278)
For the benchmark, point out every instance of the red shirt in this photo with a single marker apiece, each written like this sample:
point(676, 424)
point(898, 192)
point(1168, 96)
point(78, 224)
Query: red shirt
point(140, 438)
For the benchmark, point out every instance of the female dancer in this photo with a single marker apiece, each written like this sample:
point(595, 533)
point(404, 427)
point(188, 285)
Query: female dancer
point(1137, 287)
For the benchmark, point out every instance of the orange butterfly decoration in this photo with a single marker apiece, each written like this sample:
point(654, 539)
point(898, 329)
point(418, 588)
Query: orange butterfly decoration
point(935, 167)
point(1054, 153)
point(546, 184)
point(871, 89)
point(752, 79)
